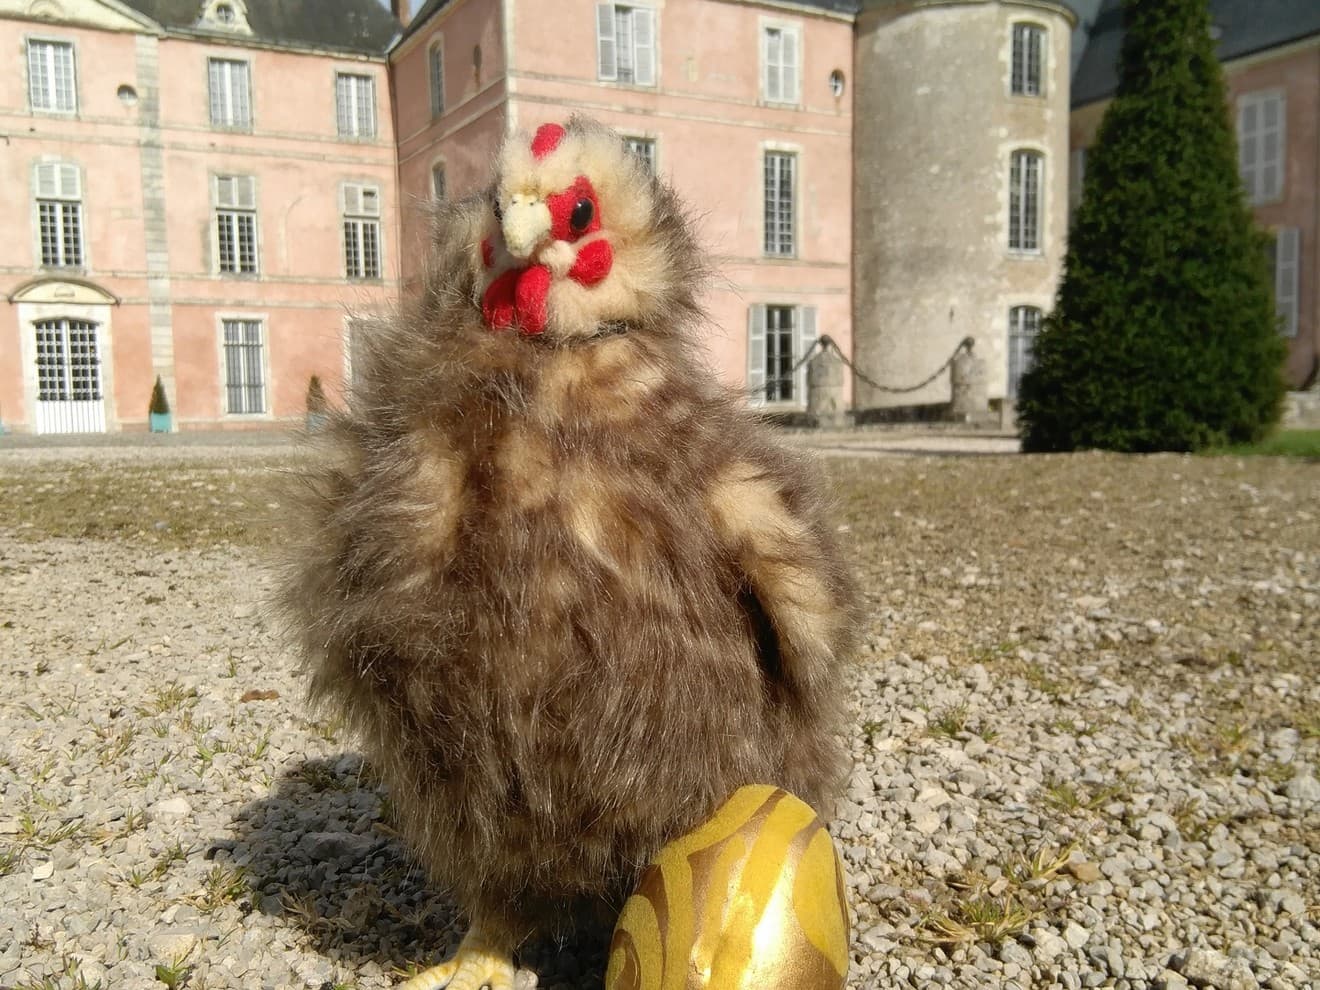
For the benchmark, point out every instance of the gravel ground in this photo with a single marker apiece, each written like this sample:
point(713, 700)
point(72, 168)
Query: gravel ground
point(1086, 739)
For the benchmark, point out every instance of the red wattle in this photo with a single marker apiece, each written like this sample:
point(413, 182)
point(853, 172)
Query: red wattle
point(593, 263)
point(530, 298)
point(497, 305)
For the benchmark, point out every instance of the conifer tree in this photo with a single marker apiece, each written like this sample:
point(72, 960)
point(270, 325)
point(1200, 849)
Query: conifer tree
point(1164, 334)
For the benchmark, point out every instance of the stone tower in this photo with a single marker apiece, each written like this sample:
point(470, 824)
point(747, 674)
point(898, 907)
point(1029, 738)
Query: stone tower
point(960, 186)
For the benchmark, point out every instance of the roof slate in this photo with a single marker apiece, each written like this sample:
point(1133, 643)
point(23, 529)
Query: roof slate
point(1246, 26)
point(361, 26)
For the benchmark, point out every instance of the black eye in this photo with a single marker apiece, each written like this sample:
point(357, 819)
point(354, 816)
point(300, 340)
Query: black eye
point(583, 211)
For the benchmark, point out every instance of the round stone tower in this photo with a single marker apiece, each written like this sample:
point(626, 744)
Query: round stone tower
point(960, 187)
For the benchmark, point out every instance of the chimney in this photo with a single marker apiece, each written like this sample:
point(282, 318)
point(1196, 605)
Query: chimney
point(400, 10)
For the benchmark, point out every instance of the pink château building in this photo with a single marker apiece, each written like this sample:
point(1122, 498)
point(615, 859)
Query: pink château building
point(201, 191)
point(207, 190)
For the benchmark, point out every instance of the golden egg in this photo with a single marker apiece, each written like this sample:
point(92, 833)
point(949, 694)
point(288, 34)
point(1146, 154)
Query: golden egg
point(752, 900)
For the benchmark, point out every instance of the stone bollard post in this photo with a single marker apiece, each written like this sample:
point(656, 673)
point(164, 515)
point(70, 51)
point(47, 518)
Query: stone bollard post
point(970, 399)
point(825, 407)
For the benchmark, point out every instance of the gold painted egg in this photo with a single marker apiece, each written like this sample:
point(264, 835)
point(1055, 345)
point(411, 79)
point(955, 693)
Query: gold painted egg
point(752, 900)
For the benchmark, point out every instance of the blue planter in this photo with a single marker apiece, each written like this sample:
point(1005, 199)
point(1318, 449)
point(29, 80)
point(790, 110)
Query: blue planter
point(161, 422)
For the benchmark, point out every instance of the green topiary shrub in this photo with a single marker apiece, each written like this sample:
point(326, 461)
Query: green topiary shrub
point(159, 404)
point(1164, 334)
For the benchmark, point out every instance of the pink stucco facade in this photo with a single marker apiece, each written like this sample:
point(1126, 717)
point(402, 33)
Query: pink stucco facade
point(704, 109)
point(147, 158)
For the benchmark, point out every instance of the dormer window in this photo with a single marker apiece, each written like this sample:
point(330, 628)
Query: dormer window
point(224, 13)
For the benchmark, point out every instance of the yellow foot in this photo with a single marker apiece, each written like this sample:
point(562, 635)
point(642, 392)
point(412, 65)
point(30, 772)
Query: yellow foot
point(477, 964)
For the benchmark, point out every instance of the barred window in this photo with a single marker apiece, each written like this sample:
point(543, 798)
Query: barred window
point(1028, 59)
point(355, 105)
point(779, 64)
point(778, 337)
point(643, 148)
point(1260, 128)
point(51, 81)
point(361, 206)
point(1023, 326)
point(780, 190)
point(625, 44)
point(1024, 188)
point(231, 93)
point(435, 57)
point(236, 224)
point(59, 214)
point(245, 387)
point(68, 361)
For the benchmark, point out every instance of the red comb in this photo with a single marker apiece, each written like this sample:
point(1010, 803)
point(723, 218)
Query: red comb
point(546, 140)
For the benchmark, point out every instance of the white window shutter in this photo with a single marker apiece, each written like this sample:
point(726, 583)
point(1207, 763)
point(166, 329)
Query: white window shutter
point(806, 334)
point(771, 54)
point(370, 201)
point(606, 54)
point(789, 52)
point(643, 46)
point(352, 199)
point(39, 81)
point(70, 182)
point(48, 181)
point(1286, 268)
point(756, 353)
point(245, 192)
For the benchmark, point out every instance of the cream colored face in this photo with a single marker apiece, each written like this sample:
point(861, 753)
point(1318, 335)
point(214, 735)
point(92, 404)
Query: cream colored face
point(569, 245)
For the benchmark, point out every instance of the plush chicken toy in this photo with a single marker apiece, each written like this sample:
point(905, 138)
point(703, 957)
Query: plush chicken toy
point(569, 591)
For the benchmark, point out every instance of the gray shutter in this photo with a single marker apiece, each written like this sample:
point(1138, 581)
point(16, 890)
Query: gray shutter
point(789, 54)
point(1248, 153)
point(1271, 148)
point(606, 56)
point(1286, 269)
point(643, 46)
point(344, 104)
point(756, 353)
point(40, 84)
point(806, 339)
point(771, 56)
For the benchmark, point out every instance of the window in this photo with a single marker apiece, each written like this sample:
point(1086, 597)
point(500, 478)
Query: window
point(231, 93)
point(643, 148)
point(1024, 201)
point(361, 206)
point(1076, 180)
point(778, 336)
point(68, 361)
point(355, 105)
point(59, 214)
point(1023, 325)
point(625, 44)
point(1028, 60)
point(236, 224)
point(1260, 145)
point(1285, 258)
point(51, 85)
point(438, 186)
point(436, 61)
point(780, 169)
point(779, 64)
point(245, 388)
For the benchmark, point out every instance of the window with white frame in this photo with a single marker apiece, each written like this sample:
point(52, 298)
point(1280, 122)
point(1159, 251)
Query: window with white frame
point(625, 44)
point(361, 207)
point(777, 337)
point(68, 361)
point(1028, 60)
point(1285, 263)
point(1024, 191)
point(236, 224)
point(780, 195)
point(59, 214)
point(1261, 133)
point(1023, 326)
point(643, 148)
point(231, 93)
point(439, 185)
point(780, 60)
point(52, 83)
point(436, 66)
point(245, 380)
point(355, 105)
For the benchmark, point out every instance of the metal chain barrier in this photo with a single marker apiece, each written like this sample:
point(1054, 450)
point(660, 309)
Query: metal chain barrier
point(824, 341)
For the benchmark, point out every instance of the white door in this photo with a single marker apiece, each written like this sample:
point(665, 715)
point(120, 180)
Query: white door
point(69, 398)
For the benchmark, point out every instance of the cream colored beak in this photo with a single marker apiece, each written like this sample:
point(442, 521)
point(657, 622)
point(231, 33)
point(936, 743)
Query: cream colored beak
point(526, 225)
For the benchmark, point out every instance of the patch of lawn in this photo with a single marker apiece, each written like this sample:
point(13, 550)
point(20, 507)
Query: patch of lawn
point(1284, 443)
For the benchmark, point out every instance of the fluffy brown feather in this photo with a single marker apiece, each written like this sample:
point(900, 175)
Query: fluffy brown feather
point(567, 589)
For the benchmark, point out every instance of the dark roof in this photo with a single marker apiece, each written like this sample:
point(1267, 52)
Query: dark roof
point(873, 4)
point(362, 26)
point(424, 12)
point(1245, 26)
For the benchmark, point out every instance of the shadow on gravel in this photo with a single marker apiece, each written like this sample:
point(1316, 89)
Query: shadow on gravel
point(319, 854)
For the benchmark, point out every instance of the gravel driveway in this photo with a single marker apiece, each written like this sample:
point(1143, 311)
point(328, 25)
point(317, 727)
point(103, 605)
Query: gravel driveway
point(1086, 737)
